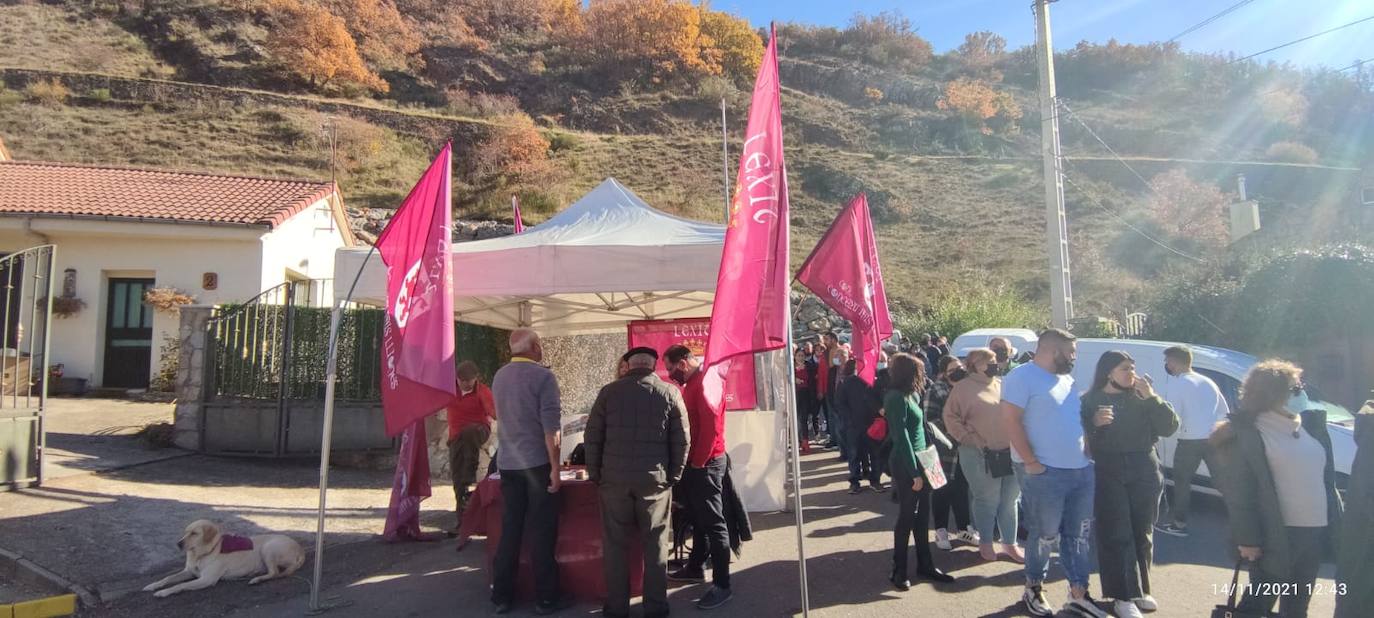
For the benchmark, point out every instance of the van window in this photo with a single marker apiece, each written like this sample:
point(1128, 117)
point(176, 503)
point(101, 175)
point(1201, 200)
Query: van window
point(1230, 387)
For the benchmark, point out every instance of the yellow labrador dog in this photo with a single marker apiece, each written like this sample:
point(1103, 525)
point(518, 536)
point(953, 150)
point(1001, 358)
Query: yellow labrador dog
point(212, 556)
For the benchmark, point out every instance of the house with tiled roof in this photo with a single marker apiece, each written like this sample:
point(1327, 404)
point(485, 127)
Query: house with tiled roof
point(120, 232)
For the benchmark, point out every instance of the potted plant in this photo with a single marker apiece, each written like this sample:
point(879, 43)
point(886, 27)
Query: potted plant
point(167, 299)
point(65, 306)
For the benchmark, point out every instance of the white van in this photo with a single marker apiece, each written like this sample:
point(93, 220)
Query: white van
point(1225, 367)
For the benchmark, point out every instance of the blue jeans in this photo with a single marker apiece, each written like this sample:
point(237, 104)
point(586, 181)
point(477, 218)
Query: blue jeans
point(994, 499)
point(1059, 511)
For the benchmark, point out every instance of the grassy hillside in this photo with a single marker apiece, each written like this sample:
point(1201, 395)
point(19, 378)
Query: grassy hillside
point(954, 206)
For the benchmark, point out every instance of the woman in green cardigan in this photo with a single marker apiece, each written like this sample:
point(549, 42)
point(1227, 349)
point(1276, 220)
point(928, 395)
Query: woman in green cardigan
point(906, 426)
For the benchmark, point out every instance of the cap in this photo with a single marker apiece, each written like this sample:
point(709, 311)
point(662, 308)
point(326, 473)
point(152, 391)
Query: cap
point(640, 350)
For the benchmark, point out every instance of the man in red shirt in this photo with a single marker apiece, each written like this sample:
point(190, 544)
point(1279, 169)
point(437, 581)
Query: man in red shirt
point(703, 480)
point(469, 426)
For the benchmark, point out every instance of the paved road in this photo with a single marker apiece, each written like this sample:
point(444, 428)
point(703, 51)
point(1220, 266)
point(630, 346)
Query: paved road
point(91, 435)
point(848, 539)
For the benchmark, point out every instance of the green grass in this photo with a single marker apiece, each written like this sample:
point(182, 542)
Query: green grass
point(43, 36)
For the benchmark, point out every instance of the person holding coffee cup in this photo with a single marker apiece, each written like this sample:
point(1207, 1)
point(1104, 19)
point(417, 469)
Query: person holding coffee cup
point(1123, 418)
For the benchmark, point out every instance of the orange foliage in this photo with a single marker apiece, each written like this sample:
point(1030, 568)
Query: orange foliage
point(314, 44)
point(1186, 209)
point(731, 44)
point(515, 148)
point(384, 37)
point(653, 39)
point(981, 105)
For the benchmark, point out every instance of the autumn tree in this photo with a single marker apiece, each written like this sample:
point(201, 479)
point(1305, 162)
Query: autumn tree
point(384, 37)
point(980, 54)
point(514, 150)
point(1185, 209)
point(313, 44)
point(653, 40)
point(981, 107)
point(731, 44)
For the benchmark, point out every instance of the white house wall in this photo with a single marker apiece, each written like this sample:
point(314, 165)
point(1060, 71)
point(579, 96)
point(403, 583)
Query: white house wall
point(172, 255)
point(304, 244)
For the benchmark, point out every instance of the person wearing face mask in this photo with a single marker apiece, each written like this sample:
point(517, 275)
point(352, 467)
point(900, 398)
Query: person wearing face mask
point(1123, 418)
point(1041, 412)
point(857, 409)
point(1278, 480)
point(954, 495)
point(1005, 355)
point(974, 418)
point(470, 415)
point(1199, 405)
point(703, 480)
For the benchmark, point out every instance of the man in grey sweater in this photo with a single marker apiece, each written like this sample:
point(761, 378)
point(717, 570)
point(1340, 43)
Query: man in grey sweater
point(636, 443)
point(528, 445)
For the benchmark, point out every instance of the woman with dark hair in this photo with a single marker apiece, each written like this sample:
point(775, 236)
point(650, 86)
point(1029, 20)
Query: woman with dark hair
point(805, 399)
point(856, 409)
point(1123, 418)
point(1279, 484)
point(955, 494)
point(906, 426)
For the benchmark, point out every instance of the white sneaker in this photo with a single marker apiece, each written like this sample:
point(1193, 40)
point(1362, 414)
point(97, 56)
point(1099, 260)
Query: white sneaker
point(942, 539)
point(1146, 603)
point(1127, 609)
point(969, 536)
point(1087, 607)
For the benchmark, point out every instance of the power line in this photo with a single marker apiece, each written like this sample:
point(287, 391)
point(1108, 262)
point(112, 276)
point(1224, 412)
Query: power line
point(1110, 150)
point(1092, 197)
point(1306, 38)
point(1209, 20)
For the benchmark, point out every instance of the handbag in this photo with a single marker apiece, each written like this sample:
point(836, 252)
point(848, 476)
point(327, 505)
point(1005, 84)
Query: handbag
point(998, 462)
point(931, 468)
point(877, 430)
point(1230, 610)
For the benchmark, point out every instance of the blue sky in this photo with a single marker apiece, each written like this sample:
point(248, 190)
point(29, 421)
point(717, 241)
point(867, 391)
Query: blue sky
point(1256, 26)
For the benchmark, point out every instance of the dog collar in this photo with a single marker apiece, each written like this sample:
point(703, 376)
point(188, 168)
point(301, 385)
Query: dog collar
point(232, 543)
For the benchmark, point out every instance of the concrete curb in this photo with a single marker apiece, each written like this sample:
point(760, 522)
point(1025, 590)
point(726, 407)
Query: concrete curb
point(61, 605)
point(87, 598)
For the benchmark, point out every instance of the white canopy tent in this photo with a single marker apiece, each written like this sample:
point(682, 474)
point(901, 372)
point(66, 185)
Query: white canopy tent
point(606, 260)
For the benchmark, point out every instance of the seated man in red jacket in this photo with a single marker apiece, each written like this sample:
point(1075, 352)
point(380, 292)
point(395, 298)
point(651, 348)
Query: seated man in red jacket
point(703, 480)
point(469, 426)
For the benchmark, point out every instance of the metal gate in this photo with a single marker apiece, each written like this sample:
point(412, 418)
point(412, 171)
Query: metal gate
point(265, 375)
point(26, 280)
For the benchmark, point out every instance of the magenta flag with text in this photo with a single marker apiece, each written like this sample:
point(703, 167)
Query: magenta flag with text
point(843, 271)
point(417, 338)
point(752, 295)
point(409, 487)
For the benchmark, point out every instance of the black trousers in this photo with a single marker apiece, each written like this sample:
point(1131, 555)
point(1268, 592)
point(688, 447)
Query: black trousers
point(710, 536)
point(1125, 507)
point(863, 462)
point(954, 495)
point(527, 503)
point(806, 401)
point(1306, 546)
point(912, 509)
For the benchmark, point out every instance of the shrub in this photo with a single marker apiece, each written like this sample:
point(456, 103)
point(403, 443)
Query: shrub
point(729, 42)
point(50, 92)
point(480, 104)
point(886, 39)
point(1185, 209)
point(515, 149)
point(99, 94)
point(873, 95)
point(314, 45)
point(9, 97)
point(972, 306)
point(713, 88)
point(1290, 152)
point(560, 141)
point(980, 107)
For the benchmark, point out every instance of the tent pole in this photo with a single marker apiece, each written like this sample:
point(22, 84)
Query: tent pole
point(327, 434)
point(793, 431)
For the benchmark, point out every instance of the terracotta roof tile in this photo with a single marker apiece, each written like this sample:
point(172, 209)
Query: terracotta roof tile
point(88, 191)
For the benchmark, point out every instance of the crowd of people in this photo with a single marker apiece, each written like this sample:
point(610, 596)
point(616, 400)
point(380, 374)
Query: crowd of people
point(1021, 446)
point(980, 447)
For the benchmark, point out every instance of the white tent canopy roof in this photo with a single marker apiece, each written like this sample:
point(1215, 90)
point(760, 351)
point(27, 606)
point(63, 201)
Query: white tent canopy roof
point(608, 259)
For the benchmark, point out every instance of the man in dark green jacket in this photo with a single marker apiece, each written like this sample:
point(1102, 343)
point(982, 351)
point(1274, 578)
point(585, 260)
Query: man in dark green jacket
point(636, 443)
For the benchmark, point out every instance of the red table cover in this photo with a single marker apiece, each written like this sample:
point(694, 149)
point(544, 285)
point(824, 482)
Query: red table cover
point(580, 540)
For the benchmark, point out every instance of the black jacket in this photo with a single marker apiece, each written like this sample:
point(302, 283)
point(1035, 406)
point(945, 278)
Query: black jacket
point(637, 432)
point(1252, 499)
point(855, 403)
point(1355, 558)
point(736, 517)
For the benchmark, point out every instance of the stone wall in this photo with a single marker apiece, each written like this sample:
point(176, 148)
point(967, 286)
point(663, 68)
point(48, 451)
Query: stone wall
point(583, 364)
point(190, 375)
point(811, 318)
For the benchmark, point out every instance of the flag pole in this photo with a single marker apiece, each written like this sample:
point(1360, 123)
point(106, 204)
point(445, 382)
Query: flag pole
point(725, 158)
point(327, 435)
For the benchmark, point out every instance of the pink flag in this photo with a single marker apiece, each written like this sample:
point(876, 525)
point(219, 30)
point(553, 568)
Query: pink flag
point(417, 339)
point(410, 486)
point(519, 225)
point(843, 271)
point(752, 295)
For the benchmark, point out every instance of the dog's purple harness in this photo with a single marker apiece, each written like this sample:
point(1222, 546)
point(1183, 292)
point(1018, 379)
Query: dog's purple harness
point(232, 543)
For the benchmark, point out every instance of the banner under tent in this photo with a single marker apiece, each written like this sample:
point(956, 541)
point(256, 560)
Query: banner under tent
point(607, 260)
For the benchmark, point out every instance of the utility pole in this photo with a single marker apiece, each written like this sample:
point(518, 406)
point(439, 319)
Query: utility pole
point(725, 159)
point(1056, 224)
